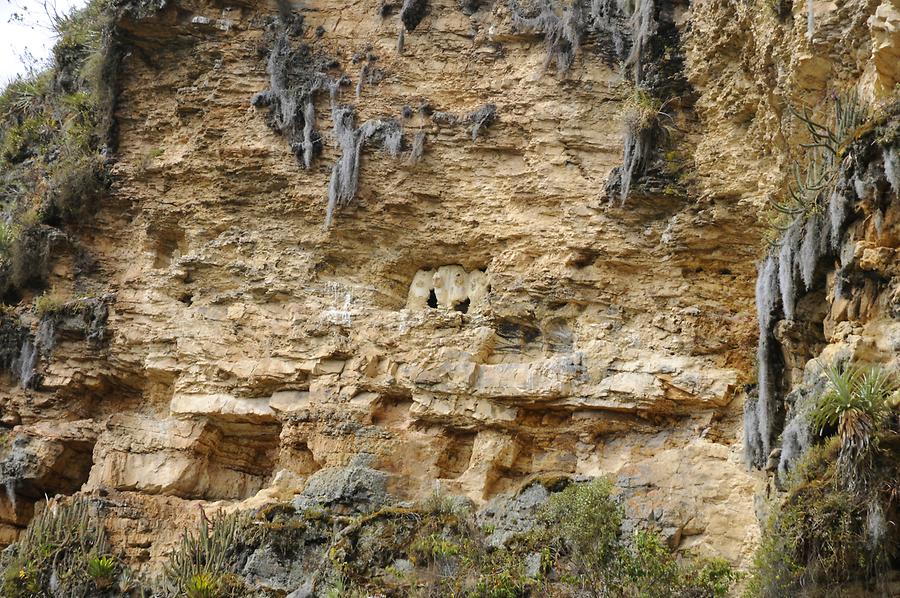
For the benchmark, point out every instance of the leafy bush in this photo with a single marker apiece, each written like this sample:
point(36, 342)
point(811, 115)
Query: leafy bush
point(46, 304)
point(586, 523)
point(54, 126)
point(583, 525)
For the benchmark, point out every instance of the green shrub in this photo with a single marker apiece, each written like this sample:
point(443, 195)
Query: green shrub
point(46, 304)
point(584, 522)
point(500, 584)
point(6, 239)
point(582, 540)
point(713, 578)
point(649, 567)
point(53, 127)
point(823, 534)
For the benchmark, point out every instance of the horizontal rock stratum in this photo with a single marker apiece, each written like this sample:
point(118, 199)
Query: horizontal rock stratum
point(320, 253)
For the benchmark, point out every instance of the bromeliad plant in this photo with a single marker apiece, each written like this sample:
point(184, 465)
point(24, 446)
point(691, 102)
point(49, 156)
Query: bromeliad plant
point(102, 569)
point(855, 407)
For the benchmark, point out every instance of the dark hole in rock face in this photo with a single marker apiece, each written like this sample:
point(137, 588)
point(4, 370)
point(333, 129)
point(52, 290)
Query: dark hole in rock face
point(455, 458)
point(412, 12)
point(432, 299)
point(462, 306)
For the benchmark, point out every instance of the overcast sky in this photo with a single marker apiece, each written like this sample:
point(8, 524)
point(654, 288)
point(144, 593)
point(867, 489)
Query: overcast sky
point(24, 26)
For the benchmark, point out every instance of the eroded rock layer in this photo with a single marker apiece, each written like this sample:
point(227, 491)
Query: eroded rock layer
point(477, 313)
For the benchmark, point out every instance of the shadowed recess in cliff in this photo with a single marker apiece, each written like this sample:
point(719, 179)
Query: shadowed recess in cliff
point(39, 463)
point(411, 14)
point(655, 65)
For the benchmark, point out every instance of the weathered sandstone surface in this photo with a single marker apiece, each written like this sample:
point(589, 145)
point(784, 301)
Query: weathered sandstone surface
point(472, 319)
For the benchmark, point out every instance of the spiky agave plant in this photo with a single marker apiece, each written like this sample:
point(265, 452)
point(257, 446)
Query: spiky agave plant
point(855, 406)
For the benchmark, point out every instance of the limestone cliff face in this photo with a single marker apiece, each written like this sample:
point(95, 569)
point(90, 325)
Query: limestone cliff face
point(472, 318)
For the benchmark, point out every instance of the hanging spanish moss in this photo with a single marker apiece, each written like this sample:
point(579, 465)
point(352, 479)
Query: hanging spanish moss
point(479, 119)
point(787, 267)
point(418, 148)
point(344, 183)
point(638, 150)
point(296, 75)
point(795, 440)
point(815, 243)
point(810, 19)
point(561, 27)
point(760, 413)
point(610, 19)
point(892, 168)
point(643, 27)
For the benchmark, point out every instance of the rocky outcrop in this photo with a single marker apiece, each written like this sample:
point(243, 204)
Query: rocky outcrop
point(477, 311)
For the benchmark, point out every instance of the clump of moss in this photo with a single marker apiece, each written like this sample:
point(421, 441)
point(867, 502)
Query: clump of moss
point(478, 120)
point(562, 28)
point(297, 73)
point(412, 12)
